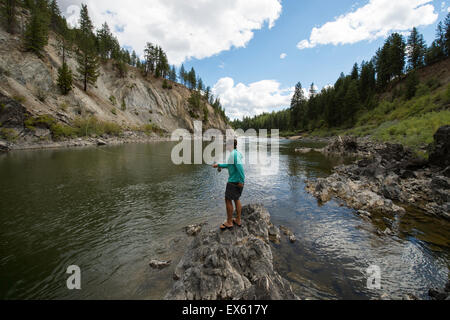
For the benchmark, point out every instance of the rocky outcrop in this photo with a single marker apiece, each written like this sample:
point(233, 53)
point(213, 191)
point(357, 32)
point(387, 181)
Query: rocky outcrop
point(233, 264)
point(387, 174)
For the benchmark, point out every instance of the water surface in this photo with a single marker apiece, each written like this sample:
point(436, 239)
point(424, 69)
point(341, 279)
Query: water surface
point(111, 210)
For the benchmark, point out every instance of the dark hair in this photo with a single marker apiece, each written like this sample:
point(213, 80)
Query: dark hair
point(235, 144)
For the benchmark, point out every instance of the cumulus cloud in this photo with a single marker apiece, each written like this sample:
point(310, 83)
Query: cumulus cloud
point(185, 29)
point(241, 100)
point(376, 19)
point(283, 56)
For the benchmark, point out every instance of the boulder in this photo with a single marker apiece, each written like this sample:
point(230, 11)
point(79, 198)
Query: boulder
point(234, 264)
point(100, 142)
point(4, 147)
point(440, 154)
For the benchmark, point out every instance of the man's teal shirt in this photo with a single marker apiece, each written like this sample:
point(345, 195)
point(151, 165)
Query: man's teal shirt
point(235, 167)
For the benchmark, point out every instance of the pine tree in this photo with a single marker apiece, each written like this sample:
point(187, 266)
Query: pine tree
point(65, 79)
point(367, 82)
point(105, 41)
point(447, 36)
point(86, 56)
point(183, 75)
point(173, 74)
point(9, 15)
point(134, 58)
point(36, 33)
point(312, 90)
point(355, 72)
point(56, 21)
point(192, 79)
point(416, 48)
point(351, 104)
point(298, 104)
point(200, 84)
point(397, 54)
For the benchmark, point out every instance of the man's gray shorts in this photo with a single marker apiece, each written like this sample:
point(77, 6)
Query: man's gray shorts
point(233, 192)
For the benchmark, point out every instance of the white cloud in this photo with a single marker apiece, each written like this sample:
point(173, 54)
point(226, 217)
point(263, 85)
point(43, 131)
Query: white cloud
point(376, 19)
point(283, 56)
point(249, 100)
point(185, 29)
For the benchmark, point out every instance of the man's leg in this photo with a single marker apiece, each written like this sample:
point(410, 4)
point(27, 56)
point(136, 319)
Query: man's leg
point(229, 205)
point(238, 211)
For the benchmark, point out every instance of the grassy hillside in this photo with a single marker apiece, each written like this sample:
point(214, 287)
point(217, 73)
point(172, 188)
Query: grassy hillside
point(411, 122)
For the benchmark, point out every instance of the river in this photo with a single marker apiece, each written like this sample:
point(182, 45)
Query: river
point(111, 210)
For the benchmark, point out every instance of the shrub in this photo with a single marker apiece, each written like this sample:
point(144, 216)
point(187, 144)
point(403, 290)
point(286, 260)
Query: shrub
point(63, 106)
point(124, 105)
point(149, 129)
point(20, 99)
point(45, 121)
point(114, 111)
point(113, 100)
point(92, 126)
point(2, 107)
point(8, 134)
point(60, 131)
point(422, 90)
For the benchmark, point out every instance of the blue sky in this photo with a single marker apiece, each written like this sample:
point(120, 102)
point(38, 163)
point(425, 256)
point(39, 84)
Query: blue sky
point(235, 45)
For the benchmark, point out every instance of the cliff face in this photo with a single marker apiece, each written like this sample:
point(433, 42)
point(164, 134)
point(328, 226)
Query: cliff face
point(131, 101)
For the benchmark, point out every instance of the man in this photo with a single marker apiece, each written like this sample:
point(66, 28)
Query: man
point(235, 186)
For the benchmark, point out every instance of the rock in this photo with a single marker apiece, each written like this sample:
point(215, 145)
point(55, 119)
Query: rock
point(391, 189)
point(437, 295)
point(4, 147)
point(447, 287)
point(363, 213)
point(446, 172)
point(440, 154)
point(101, 142)
point(410, 296)
point(193, 230)
point(274, 234)
point(234, 264)
point(343, 146)
point(159, 264)
point(292, 238)
point(286, 231)
point(303, 150)
point(440, 182)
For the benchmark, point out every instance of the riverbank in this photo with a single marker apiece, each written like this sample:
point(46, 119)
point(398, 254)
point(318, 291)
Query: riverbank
point(127, 137)
point(387, 178)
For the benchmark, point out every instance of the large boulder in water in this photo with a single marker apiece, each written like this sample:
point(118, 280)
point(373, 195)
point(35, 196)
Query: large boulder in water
point(232, 264)
point(440, 155)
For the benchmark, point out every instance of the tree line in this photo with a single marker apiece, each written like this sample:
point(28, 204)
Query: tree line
point(92, 47)
point(339, 105)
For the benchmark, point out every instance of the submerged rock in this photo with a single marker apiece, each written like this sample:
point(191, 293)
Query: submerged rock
point(234, 264)
point(194, 229)
point(159, 264)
